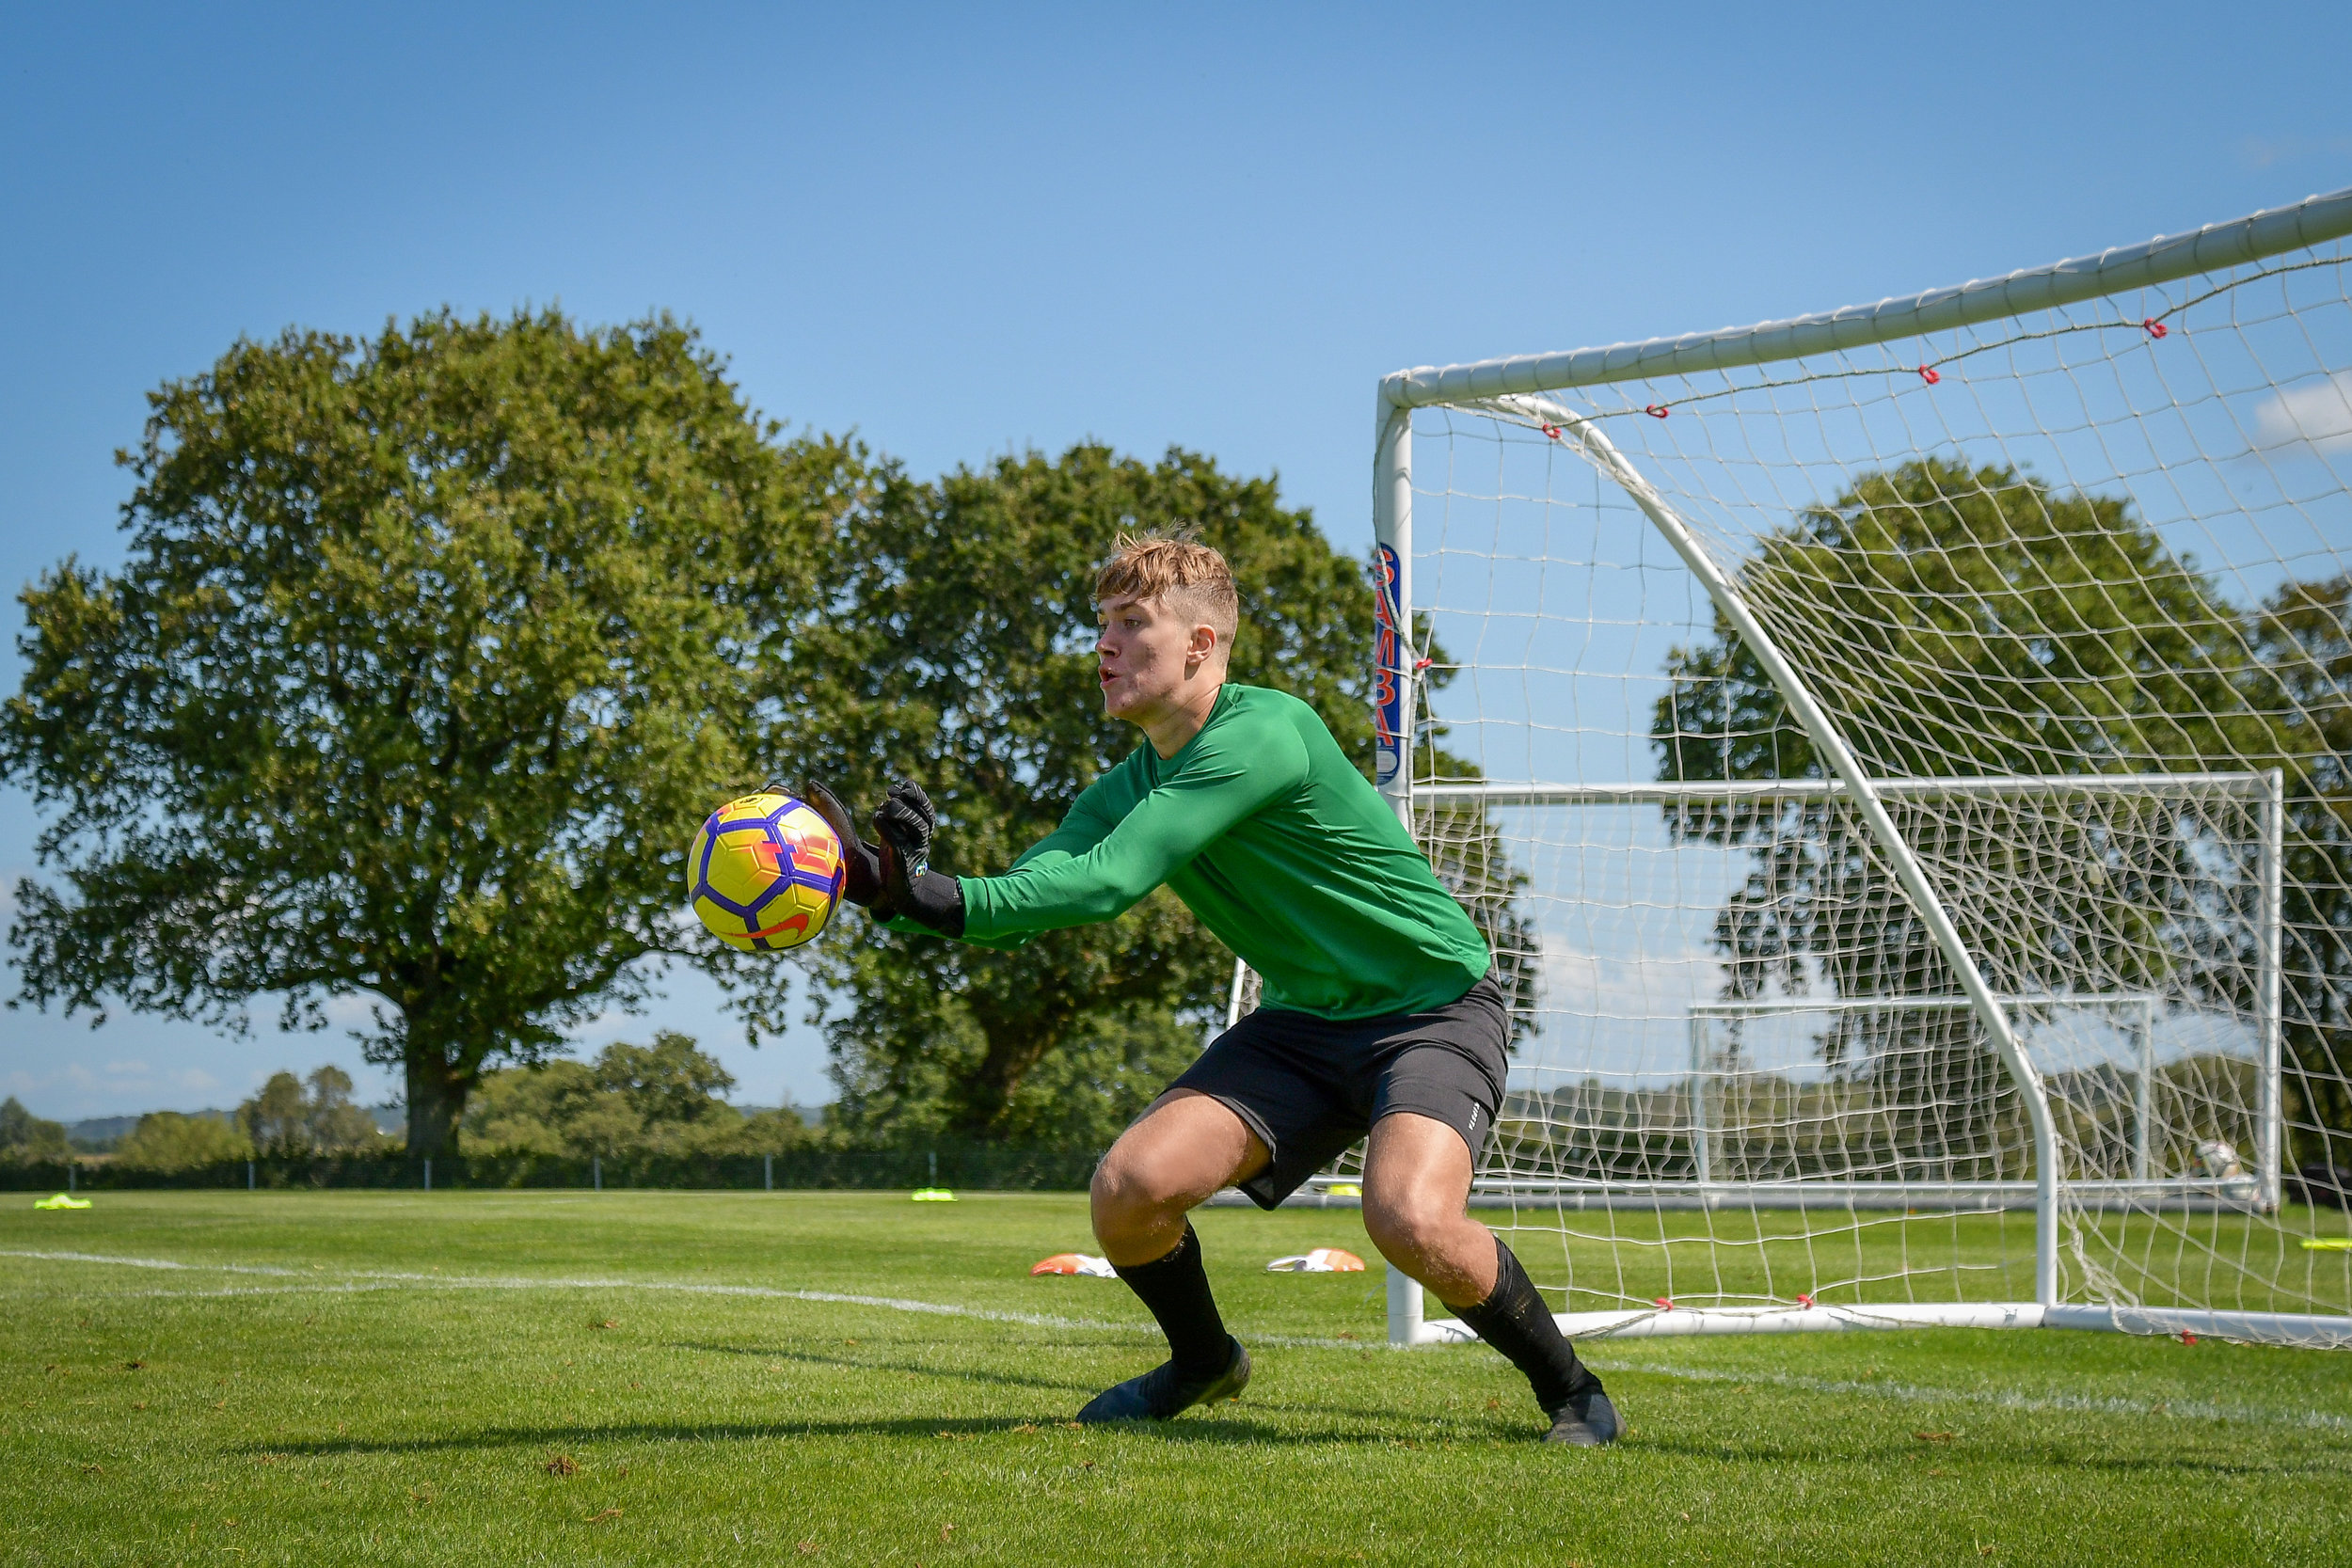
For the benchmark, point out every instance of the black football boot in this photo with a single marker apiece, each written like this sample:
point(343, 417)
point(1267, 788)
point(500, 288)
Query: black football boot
point(1586, 1419)
point(1161, 1393)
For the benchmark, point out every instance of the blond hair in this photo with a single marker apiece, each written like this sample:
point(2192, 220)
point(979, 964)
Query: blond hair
point(1190, 577)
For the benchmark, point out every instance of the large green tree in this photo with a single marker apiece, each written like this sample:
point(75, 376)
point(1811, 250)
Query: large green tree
point(425, 654)
point(1969, 621)
point(960, 653)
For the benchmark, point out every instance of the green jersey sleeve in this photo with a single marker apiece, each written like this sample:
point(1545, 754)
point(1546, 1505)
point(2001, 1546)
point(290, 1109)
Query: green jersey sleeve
point(1090, 870)
point(1085, 825)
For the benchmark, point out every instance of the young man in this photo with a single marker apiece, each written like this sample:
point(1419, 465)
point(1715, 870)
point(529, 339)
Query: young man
point(1379, 1015)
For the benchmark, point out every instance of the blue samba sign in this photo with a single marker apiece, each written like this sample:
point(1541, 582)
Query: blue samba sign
point(1389, 674)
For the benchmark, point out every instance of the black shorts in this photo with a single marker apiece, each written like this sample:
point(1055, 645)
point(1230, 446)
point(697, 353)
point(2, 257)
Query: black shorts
point(1310, 1086)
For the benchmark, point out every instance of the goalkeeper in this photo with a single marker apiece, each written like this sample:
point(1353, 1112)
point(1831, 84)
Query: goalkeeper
point(1379, 1013)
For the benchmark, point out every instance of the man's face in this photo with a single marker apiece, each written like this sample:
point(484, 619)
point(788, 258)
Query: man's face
point(1142, 652)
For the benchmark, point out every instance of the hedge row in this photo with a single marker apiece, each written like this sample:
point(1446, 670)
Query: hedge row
point(977, 1165)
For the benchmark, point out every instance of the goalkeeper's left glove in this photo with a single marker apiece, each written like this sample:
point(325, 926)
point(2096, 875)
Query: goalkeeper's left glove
point(866, 884)
point(910, 887)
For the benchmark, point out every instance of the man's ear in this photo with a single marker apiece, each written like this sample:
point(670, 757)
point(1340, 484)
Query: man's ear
point(1203, 643)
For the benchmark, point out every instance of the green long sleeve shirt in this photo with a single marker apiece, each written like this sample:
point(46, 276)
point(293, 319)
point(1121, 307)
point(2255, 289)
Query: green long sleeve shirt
point(1267, 832)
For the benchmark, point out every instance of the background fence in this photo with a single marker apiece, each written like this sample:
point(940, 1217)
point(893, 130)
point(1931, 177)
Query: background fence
point(977, 1166)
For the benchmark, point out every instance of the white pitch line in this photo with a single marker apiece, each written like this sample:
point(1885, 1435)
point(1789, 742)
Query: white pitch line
point(146, 1263)
point(382, 1279)
point(252, 1291)
point(390, 1278)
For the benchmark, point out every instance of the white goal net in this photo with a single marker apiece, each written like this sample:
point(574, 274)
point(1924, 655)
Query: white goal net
point(1903, 759)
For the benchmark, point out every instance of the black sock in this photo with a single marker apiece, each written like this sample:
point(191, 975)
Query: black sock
point(1516, 1322)
point(1176, 1288)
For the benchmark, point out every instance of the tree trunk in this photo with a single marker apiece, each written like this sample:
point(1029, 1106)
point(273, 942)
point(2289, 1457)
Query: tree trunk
point(436, 1098)
point(1014, 1046)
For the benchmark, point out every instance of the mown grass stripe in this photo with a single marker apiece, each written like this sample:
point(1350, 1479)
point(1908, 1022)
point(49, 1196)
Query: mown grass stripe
point(363, 1280)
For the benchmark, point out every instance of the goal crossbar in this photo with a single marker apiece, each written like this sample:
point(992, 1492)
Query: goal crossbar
point(2312, 221)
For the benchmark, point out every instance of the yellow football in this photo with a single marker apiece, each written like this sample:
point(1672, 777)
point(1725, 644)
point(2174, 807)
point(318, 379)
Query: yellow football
point(765, 873)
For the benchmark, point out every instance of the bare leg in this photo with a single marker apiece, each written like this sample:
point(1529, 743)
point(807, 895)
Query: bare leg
point(1176, 1157)
point(1417, 1182)
point(1417, 1178)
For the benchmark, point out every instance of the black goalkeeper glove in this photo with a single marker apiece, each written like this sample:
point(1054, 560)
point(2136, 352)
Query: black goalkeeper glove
point(910, 885)
point(866, 883)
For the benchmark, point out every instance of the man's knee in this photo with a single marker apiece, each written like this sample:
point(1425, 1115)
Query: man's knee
point(1126, 1192)
point(1410, 1225)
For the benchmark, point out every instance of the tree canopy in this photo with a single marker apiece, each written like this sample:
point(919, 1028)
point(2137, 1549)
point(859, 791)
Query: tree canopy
point(425, 652)
point(168, 1141)
point(25, 1138)
point(1968, 621)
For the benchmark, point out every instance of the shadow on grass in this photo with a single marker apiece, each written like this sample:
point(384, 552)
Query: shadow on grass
point(1268, 1396)
point(851, 1363)
point(1222, 1432)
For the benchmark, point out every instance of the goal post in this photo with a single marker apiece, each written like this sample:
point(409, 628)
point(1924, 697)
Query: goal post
point(1907, 740)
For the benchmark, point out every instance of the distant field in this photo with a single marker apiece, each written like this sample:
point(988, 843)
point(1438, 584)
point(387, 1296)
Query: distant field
point(647, 1377)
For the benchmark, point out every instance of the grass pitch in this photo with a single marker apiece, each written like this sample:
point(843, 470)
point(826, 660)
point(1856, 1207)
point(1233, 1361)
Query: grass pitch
point(317, 1379)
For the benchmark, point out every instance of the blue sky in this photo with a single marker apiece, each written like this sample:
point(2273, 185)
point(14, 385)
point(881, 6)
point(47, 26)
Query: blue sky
point(960, 230)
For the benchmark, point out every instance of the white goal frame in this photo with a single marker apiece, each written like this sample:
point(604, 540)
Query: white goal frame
point(1515, 387)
